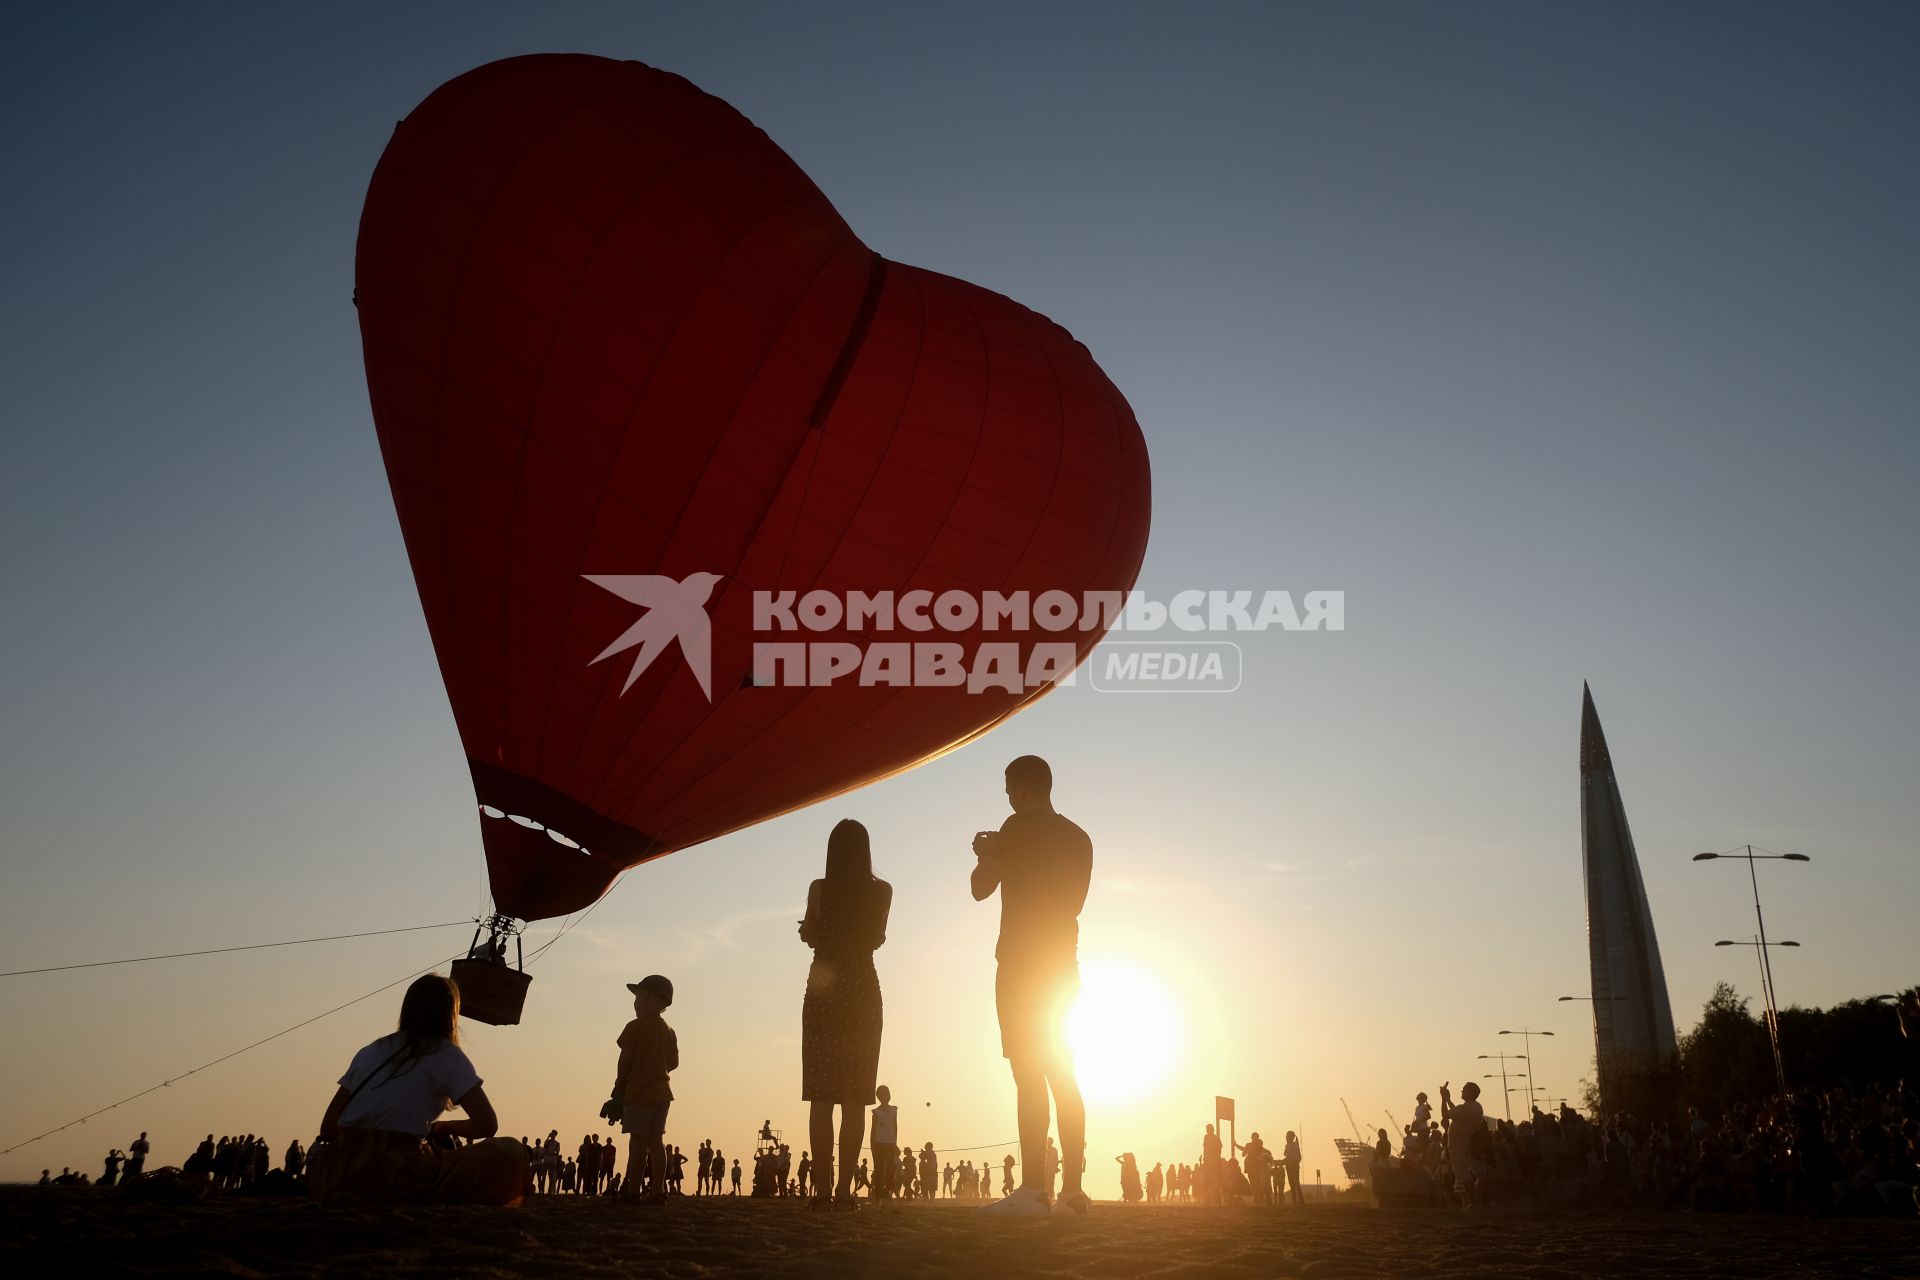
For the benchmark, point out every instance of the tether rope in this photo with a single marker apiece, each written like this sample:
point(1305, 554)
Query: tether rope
point(226, 1056)
point(215, 951)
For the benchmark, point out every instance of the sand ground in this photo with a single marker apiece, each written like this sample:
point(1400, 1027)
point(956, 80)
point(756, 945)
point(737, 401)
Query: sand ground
point(81, 1233)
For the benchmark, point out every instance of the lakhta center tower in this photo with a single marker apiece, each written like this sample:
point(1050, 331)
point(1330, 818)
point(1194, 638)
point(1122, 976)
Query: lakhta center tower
point(1632, 1021)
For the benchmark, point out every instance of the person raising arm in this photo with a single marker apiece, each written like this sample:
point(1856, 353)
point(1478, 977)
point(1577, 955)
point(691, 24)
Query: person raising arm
point(1041, 864)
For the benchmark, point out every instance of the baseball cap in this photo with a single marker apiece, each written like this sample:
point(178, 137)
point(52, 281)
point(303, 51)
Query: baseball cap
point(655, 985)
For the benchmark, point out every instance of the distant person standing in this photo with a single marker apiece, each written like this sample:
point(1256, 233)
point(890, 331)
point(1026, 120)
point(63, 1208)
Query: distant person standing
point(1053, 1167)
point(110, 1173)
point(1006, 1175)
point(1042, 865)
point(840, 1018)
point(1210, 1170)
point(589, 1157)
point(1464, 1120)
point(736, 1177)
point(1259, 1169)
point(886, 1145)
point(1290, 1160)
point(137, 1156)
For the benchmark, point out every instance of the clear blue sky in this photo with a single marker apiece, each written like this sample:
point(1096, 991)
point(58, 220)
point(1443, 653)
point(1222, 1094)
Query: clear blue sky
point(1572, 342)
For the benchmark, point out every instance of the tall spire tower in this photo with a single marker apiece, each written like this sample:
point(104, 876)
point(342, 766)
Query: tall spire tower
point(1632, 1021)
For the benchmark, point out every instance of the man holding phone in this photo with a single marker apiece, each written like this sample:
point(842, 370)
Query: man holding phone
point(1042, 865)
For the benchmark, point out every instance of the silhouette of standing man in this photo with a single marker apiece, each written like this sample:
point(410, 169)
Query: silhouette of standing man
point(1042, 865)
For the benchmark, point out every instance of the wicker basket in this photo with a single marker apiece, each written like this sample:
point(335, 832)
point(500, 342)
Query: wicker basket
point(491, 992)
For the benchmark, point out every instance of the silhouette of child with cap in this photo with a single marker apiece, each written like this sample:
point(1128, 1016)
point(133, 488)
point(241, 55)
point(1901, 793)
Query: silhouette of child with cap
point(649, 1052)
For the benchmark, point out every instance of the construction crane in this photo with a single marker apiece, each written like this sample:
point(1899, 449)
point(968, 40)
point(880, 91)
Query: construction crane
point(1357, 1135)
point(1355, 1153)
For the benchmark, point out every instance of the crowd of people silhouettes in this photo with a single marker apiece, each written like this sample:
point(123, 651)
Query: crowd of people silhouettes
point(385, 1136)
point(1220, 1176)
point(1822, 1152)
point(1815, 1151)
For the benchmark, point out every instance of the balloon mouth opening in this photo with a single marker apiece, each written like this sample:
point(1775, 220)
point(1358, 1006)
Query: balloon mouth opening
point(534, 824)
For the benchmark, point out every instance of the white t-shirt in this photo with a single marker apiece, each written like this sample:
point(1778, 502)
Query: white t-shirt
point(1467, 1116)
point(406, 1096)
point(886, 1125)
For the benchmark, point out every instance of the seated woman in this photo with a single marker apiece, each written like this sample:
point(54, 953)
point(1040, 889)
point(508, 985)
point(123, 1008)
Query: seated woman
point(385, 1141)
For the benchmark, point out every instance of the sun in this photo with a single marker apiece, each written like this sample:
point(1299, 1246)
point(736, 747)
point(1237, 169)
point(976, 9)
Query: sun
point(1125, 1030)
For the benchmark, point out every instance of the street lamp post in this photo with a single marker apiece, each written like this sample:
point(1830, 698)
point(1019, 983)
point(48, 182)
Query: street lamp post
point(1506, 1099)
point(1773, 1019)
point(1766, 967)
point(1526, 1034)
point(1512, 1089)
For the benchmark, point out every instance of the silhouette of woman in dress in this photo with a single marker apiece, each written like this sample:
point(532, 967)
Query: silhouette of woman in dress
point(840, 1021)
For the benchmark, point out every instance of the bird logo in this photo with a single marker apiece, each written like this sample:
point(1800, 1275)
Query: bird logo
point(676, 611)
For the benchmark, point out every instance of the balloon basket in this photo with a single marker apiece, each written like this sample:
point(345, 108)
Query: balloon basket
point(491, 991)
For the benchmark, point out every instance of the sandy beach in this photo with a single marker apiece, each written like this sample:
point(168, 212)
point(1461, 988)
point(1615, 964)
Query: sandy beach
point(94, 1234)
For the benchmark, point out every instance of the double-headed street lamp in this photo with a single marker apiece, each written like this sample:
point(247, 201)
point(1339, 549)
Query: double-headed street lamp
point(1526, 1035)
point(1766, 966)
point(1512, 1089)
point(1773, 1018)
point(1503, 1058)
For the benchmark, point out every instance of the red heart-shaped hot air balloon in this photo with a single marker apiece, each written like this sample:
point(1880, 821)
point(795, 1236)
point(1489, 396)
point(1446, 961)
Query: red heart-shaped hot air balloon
point(631, 371)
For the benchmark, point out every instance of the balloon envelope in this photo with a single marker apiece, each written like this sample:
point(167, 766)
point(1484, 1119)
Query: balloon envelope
point(629, 368)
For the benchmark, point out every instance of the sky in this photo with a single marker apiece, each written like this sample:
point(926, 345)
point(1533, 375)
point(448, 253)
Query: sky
point(1572, 343)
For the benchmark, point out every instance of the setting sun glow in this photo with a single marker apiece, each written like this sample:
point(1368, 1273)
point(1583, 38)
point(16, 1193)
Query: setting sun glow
point(1125, 1030)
